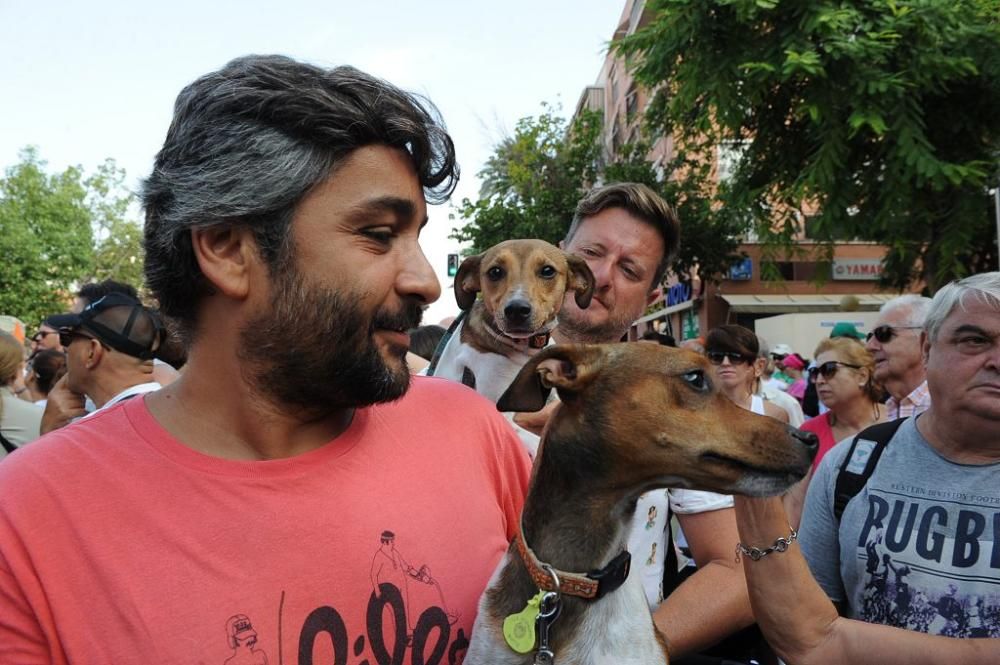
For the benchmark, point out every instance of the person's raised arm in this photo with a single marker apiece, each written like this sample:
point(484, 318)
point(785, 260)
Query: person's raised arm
point(803, 626)
point(711, 604)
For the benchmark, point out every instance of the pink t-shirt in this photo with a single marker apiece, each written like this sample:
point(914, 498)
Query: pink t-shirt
point(120, 545)
point(820, 426)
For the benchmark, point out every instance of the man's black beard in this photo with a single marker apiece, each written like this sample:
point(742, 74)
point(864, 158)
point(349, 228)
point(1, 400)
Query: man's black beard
point(315, 349)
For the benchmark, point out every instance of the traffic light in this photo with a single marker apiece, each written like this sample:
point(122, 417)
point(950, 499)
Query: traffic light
point(452, 265)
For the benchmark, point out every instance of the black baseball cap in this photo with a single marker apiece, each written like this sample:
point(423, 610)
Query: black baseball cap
point(119, 322)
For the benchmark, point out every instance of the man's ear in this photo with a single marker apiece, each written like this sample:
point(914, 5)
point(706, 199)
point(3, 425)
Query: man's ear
point(95, 353)
point(226, 255)
point(581, 280)
point(925, 346)
point(467, 282)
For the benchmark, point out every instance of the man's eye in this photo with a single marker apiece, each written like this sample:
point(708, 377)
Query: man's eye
point(696, 379)
point(495, 273)
point(548, 272)
point(380, 235)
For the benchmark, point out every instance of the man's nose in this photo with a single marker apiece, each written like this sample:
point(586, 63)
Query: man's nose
point(416, 277)
point(602, 274)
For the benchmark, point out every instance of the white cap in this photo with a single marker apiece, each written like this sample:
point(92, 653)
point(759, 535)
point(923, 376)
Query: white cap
point(781, 350)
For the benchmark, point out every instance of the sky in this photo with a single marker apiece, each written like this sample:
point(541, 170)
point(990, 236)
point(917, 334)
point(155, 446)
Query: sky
point(84, 81)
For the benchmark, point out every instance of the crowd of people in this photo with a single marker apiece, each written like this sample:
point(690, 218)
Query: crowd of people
point(298, 488)
point(101, 352)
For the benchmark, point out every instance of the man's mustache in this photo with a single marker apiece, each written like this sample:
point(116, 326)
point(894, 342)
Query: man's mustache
point(408, 316)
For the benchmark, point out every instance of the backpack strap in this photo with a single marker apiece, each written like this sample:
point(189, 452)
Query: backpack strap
point(7, 445)
point(860, 461)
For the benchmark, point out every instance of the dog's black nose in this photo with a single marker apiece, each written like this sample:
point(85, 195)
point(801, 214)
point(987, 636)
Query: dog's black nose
point(807, 439)
point(517, 311)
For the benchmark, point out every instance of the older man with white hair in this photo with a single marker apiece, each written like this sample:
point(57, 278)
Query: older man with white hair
point(916, 547)
point(894, 342)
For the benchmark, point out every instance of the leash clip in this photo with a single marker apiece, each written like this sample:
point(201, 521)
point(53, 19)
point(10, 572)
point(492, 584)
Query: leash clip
point(548, 612)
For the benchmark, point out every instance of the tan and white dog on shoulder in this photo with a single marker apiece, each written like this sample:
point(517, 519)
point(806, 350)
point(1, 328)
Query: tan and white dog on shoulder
point(523, 284)
point(632, 418)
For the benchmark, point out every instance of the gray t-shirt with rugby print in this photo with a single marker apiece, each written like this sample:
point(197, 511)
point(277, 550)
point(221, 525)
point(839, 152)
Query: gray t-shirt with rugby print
point(918, 547)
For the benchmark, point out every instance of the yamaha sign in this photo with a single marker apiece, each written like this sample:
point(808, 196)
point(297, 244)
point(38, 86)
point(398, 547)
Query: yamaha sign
point(857, 269)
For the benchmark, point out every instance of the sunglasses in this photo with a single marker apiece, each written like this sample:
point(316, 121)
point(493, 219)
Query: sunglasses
point(828, 369)
point(40, 335)
point(67, 335)
point(885, 333)
point(717, 357)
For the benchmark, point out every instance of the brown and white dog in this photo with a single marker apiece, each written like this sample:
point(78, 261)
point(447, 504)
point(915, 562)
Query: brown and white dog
point(523, 284)
point(633, 418)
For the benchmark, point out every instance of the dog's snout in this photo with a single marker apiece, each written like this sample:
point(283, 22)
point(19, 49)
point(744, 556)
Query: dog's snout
point(517, 311)
point(807, 439)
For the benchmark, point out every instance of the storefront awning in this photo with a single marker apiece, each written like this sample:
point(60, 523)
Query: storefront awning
point(787, 304)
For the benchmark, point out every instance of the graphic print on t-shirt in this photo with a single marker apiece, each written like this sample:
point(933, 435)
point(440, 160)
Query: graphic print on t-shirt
point(242, 640)
point(931, 561)
point(406, 620)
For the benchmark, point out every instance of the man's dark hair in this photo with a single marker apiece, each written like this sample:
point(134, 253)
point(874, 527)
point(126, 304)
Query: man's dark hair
point(48, 365)
point(663, 339)
point(94, 291)
point(249, 141)
point(642, 203)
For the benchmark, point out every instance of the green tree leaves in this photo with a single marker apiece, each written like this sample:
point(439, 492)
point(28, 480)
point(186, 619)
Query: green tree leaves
point(59, 230)
point(880, 116)
point(532, 182)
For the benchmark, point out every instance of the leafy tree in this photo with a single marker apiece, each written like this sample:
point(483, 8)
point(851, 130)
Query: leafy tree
point(535, 178)
point(118, 251)
point(879, 115)
point(532, 182)
point(48, 226)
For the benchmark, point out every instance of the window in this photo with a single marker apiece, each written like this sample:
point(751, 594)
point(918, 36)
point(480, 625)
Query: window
point(808, 271)
point(770, 270)
point(631, 104)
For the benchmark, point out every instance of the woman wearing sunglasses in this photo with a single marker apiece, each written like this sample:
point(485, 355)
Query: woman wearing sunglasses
point(844, 375)
point(733, 350)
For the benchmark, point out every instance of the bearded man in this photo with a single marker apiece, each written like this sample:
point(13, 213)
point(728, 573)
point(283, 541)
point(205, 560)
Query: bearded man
point(282, 224)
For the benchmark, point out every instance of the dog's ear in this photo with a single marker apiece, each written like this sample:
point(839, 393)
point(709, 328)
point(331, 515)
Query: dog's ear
point(567, 367)
point(581, 280)
point(467, 282)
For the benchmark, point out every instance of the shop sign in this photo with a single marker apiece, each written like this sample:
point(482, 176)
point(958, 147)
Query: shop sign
point(857, 269)
point(678, 293)
point(742, 270)
point(690, 327)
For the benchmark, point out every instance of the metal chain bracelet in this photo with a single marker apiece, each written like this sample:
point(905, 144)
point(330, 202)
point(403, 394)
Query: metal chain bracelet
point(756, 553)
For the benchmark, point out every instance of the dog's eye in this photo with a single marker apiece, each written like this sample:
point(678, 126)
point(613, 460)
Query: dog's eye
point(495, 273)
point(696, 379)
point(548, 272)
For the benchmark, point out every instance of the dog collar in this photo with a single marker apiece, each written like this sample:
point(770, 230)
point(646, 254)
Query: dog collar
point(539, 341)
point(593, 585)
